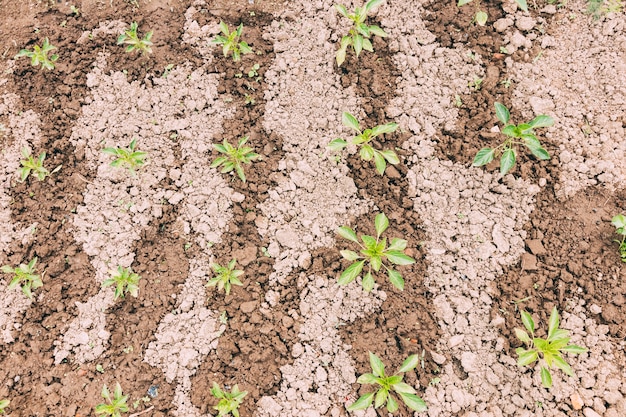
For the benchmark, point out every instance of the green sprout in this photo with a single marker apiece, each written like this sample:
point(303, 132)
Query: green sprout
point(229, 401)
point(374, 251)
point(4, 404)
point(521, 134)
point(550, 349)
point(619, 222)
point(35, 165)
point(363, 139)
point(234, 157)
point(230, 42)
point(358, 37)
point(116, 405)
point(130, 38)
point(481, 16)
point(386, 384)
point(25, 276)
point(125, 281)
point(128, 158)
point(40, 55)
point(225, 277)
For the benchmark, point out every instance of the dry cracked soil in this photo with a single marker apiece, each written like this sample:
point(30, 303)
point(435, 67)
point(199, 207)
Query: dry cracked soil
point(486, 246)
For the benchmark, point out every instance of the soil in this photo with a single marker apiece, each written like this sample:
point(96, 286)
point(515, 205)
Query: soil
point(485, 245)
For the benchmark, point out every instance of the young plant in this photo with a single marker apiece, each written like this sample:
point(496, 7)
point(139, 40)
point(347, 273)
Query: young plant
point(116, 405)
point(521, 134)
point(31, 164)
point(4, 404)
point(362, 141)
point(128, 158)
point(386, 384)
point(25, 276)
point(130, 38)
point(374, 251)
point(231, 42)
point(225, 276)
point(234, 157)
point(550, 350)
point(358, 37)
point(619, 222)
point(481, 16)
point(40, 55)
point(125, 281)
point(229, 401)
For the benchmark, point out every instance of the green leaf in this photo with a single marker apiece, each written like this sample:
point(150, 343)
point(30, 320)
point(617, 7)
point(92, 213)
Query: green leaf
point(463, 2)
point(337, 145)
point(619, 221)
point(414, 402)
point(368, 282)
point(560, 363)
point(481, 18)
point(483, 157)
point(376, 262)
point(574, 349)
point(367, 45)
point(349, 255)
point(347, 233)
point(382, 129)
point(380, 163)
point(396, 279)
point(381, 223)
point(541, 121)
point(507, 160)
point(401, 387)
point(367, 153)
point(522, 5)
point(511, 130)
point(351, 273)
point(540, 153)
point(522, 336)
point(399, 258)
point(375, 30)
point(369, 242)
point(358, 44)
point(371, 4)
point(528, 322)
point(392, 404)
point(350, 121)
point(342, 9)
point(546, 378)
point(391, 156)
point(367, 379)
point(378, 368)
point(409, 364)
point(362, 403)
point(381, 397)
point(553, 323)
point(502, 113)
point(397, 245)
point(526, 357)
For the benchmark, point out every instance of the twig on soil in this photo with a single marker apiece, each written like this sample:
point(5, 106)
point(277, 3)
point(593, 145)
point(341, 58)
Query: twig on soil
point(142, 412)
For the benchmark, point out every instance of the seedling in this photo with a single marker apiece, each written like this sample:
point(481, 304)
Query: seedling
point(374, 251)
point(229, 401)
point(619, 222)
point(31, 164)
point(549, 350)
point(254, 71)
point(386, 384)
point(234, 157)
point(521, 134)
point(130, 38)
point(39, 55)
point(231, 42)
point(363, 139)
point(25, 276)
point(358, 37)
point(481, 16)
point(125, 281)
point(116, 405)
point(225, 277)
point(128, 158)
point(4, 404)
